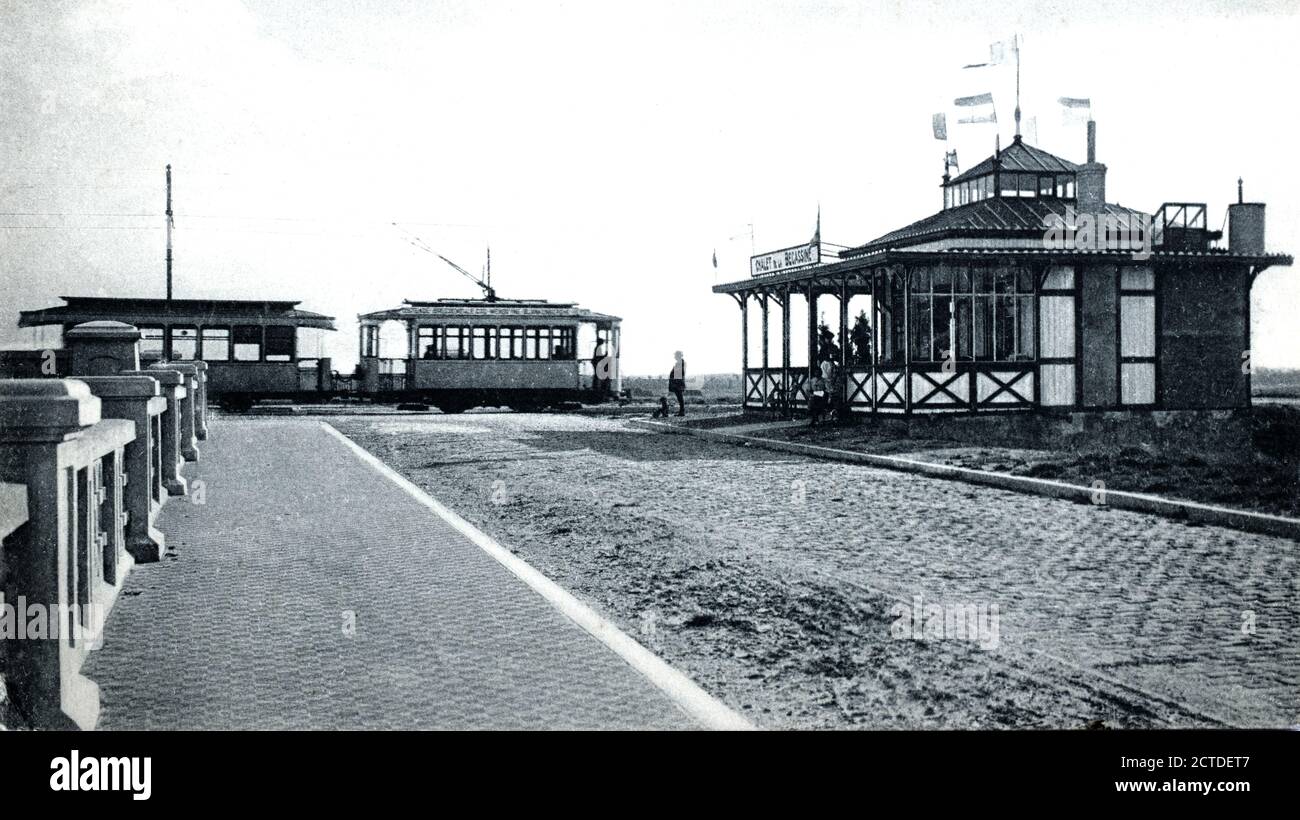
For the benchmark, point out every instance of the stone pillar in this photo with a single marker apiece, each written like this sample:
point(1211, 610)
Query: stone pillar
point(189, 406)
point(201, 402)
point(40, 422)
point(102, 348)
point(138, 399)
point(171, 386)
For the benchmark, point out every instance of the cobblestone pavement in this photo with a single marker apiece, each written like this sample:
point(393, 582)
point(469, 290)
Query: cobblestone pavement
point(245, 624)
point(771, 579)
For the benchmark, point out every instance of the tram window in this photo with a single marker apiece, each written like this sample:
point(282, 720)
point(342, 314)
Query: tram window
point(543, 343)
point(479, 348)
point(562, 346)
point(428, 343)
point(185, 343)
point(530, 343)
point(492, 342)
point(216, 344)
point(248, 343)
point(151, 340)
point(458, 342)
point(279, 343)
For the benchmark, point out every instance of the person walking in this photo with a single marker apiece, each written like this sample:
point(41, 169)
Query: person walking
point(677, 382)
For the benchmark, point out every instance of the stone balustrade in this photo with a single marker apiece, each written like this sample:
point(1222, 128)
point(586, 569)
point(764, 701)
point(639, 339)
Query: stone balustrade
point(64, 567)
point(86, 464)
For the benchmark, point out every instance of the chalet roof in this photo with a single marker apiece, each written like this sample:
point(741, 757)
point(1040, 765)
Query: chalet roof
point(993, 217)
point(157, 311)
point(1020, 156)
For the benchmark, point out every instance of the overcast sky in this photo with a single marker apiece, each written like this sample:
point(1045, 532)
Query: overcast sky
point(603, 149)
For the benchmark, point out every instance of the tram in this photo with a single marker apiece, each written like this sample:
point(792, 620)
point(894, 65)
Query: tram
point(525, 354)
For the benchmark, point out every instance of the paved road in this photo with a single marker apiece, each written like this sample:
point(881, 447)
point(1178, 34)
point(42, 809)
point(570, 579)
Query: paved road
point(1161, 622)
point(250, 623)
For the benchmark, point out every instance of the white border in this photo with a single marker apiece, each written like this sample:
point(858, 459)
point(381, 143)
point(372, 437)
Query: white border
point(700, 705)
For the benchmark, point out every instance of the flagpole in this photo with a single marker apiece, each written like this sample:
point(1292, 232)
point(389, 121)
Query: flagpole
point(1015, 45)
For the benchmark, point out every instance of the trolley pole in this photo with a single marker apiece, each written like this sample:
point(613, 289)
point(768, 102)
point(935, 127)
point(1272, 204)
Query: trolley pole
point(167, 331)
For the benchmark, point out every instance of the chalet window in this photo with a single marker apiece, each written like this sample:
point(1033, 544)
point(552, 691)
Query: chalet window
point(279, 343)
point(981, 314)
point(216, 344)
point(151, 341)
point(1137, 336)
point(248, 343)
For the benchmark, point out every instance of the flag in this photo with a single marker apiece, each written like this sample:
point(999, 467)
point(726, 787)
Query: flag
point(950, 160)
point(983, 102)
point(997, 54)
point(817, 234)
point(1074, 108)
point(715, 258)
point(939, 122)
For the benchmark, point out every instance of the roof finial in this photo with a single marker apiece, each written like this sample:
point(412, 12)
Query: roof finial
point(1239, 199)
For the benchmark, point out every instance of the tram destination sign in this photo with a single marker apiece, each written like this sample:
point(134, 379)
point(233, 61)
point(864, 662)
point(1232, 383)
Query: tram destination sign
point(799, 256)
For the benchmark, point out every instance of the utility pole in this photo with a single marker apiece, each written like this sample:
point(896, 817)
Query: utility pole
point(167, 332)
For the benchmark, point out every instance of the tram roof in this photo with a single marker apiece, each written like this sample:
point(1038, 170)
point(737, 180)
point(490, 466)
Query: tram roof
point(502, 308)
point(138, 311)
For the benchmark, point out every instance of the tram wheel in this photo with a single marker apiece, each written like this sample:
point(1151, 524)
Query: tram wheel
point(452, 409)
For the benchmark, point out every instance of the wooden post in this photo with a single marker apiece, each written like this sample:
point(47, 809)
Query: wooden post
point(813, 364)
point(785, 345)
point(763, 383)
point(744, 348)
point(844, 339)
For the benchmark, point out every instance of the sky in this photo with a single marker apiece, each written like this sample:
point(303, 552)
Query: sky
point(604, 150)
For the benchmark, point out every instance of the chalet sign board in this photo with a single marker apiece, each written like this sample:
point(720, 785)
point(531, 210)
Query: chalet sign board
point(799, 256)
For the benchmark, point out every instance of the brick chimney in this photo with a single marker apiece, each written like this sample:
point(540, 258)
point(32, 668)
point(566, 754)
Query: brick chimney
point(1090, 180)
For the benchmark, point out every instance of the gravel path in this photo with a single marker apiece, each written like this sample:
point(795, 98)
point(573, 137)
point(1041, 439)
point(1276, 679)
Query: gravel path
point(779, 583)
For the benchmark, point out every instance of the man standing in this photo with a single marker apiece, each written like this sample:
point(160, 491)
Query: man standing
point(677, 382)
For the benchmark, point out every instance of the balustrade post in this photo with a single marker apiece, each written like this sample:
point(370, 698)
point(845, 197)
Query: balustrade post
point(171, 386)
point(189, 406)
point(137, 398)
point(201, 402)
point(41, 421)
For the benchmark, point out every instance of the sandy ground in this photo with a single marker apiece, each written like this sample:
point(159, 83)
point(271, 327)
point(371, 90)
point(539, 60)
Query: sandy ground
point(773, 580)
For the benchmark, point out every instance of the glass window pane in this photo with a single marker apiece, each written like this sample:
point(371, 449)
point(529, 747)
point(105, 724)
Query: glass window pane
point(943, 317)
point(151, 341)
point(963, 323)
point(983, 330)
point(1004, 328)
point(1025, 327)
point(185, 343)
point(248, 343)
point(216, 344)
point(921, 328)
point(453, 343)
point(479, 347)
point(279, 343)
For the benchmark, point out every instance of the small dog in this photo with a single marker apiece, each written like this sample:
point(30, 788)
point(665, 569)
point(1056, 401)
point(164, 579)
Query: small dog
point(662, 412)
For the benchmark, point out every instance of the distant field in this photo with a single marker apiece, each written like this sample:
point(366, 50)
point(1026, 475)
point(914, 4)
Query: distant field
point(1275, 383)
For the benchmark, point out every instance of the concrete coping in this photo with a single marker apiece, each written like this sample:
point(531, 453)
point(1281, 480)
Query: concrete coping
point(45, 405)
point(122, 387)
point(190, 368)
point(167, 377)
point(104, 329)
